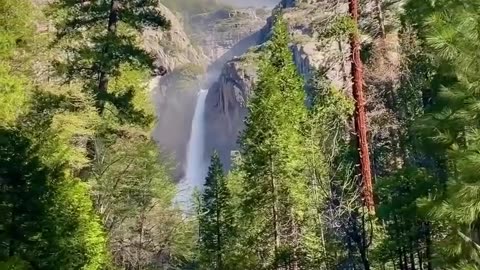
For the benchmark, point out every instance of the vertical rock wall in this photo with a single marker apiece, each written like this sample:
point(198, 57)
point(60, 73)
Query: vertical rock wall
point(227, 98)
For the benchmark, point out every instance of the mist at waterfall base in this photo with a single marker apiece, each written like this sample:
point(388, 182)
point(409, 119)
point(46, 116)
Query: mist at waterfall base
point(196, 165)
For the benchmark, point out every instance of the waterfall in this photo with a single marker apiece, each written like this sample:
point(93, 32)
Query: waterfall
point(196, 169)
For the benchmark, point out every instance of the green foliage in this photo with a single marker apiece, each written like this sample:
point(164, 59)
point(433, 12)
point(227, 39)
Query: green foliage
point(14, 263)
point(70, 115)
point(446, 136)
point(16, 29)
point(95, 54)
point(324, 129)
point(16, 25)
point(272, 150)
point(13, 95)
point(49, 221)
point(215, 218)
point(133, 193)
point(291, 200)
point(341, 27)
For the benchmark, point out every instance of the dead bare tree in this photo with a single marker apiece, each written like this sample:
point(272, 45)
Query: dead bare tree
point(360, 114)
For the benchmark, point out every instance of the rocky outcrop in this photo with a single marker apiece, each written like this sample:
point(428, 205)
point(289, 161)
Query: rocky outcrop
point(226, 103)
point(172, 48)
point(175, 94)
point(307, 20)
point(220, 36)
point(227, 33)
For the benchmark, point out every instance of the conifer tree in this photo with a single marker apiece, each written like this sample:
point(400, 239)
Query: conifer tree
point(450, 129)
point(101, 42)
point(48, 221)
point(215, 220)
point(272, 153)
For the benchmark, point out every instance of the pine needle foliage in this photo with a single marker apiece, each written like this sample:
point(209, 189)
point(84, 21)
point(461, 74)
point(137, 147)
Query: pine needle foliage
point(272, 153)
point(451, 125)
point(100, 43)
point(216, 218)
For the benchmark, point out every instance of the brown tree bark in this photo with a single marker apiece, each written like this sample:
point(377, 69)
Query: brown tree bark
point(360, 115)
point(103, 76)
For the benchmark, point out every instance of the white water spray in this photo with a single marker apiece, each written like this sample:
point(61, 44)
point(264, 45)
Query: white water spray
point(196, 170)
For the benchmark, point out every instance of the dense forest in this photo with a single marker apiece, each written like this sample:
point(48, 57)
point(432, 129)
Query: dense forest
point(382, 172)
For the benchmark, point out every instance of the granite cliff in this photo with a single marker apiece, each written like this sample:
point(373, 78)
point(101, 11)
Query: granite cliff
point(225, 60)
point(194, 52)
point(227, 97)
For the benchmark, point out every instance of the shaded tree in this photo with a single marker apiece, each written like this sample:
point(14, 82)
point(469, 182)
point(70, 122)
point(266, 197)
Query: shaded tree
point(215, 220)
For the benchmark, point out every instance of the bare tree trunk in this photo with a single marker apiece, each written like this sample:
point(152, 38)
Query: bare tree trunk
point(380, 18)
point(140, 244)
point(405, 259)
point(412, 256)
point(360, 115)
point(103, 76)
point(13, 228)
point(419, 254)
point(296, 241)
point(428, 242)
point(363, 245)
point(400, 259)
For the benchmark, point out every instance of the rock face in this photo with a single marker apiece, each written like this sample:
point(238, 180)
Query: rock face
point(251, 3)
point(226, 105)
point(172, 48)
point(227, 98)
point(219, 36)
point(227, 33)
point(174, 95)
point(230, 42)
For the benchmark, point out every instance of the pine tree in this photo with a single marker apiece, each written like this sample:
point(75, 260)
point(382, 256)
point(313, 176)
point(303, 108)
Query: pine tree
point(48, 219)
point(101, 43)
point(448, 132)
point(456, 130)
point(215, 220)
point(272, 152)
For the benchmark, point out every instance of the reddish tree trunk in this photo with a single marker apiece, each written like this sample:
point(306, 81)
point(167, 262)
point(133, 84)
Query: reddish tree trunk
point(360, 115)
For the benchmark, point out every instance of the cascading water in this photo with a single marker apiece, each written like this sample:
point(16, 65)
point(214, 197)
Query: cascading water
point(196, 169)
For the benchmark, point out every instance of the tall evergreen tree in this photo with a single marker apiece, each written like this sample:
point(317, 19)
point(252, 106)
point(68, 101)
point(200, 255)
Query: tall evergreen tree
point(272, 150)
point(450, 125)
point(101, 43)
point(215, 220)
point(48, 221)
